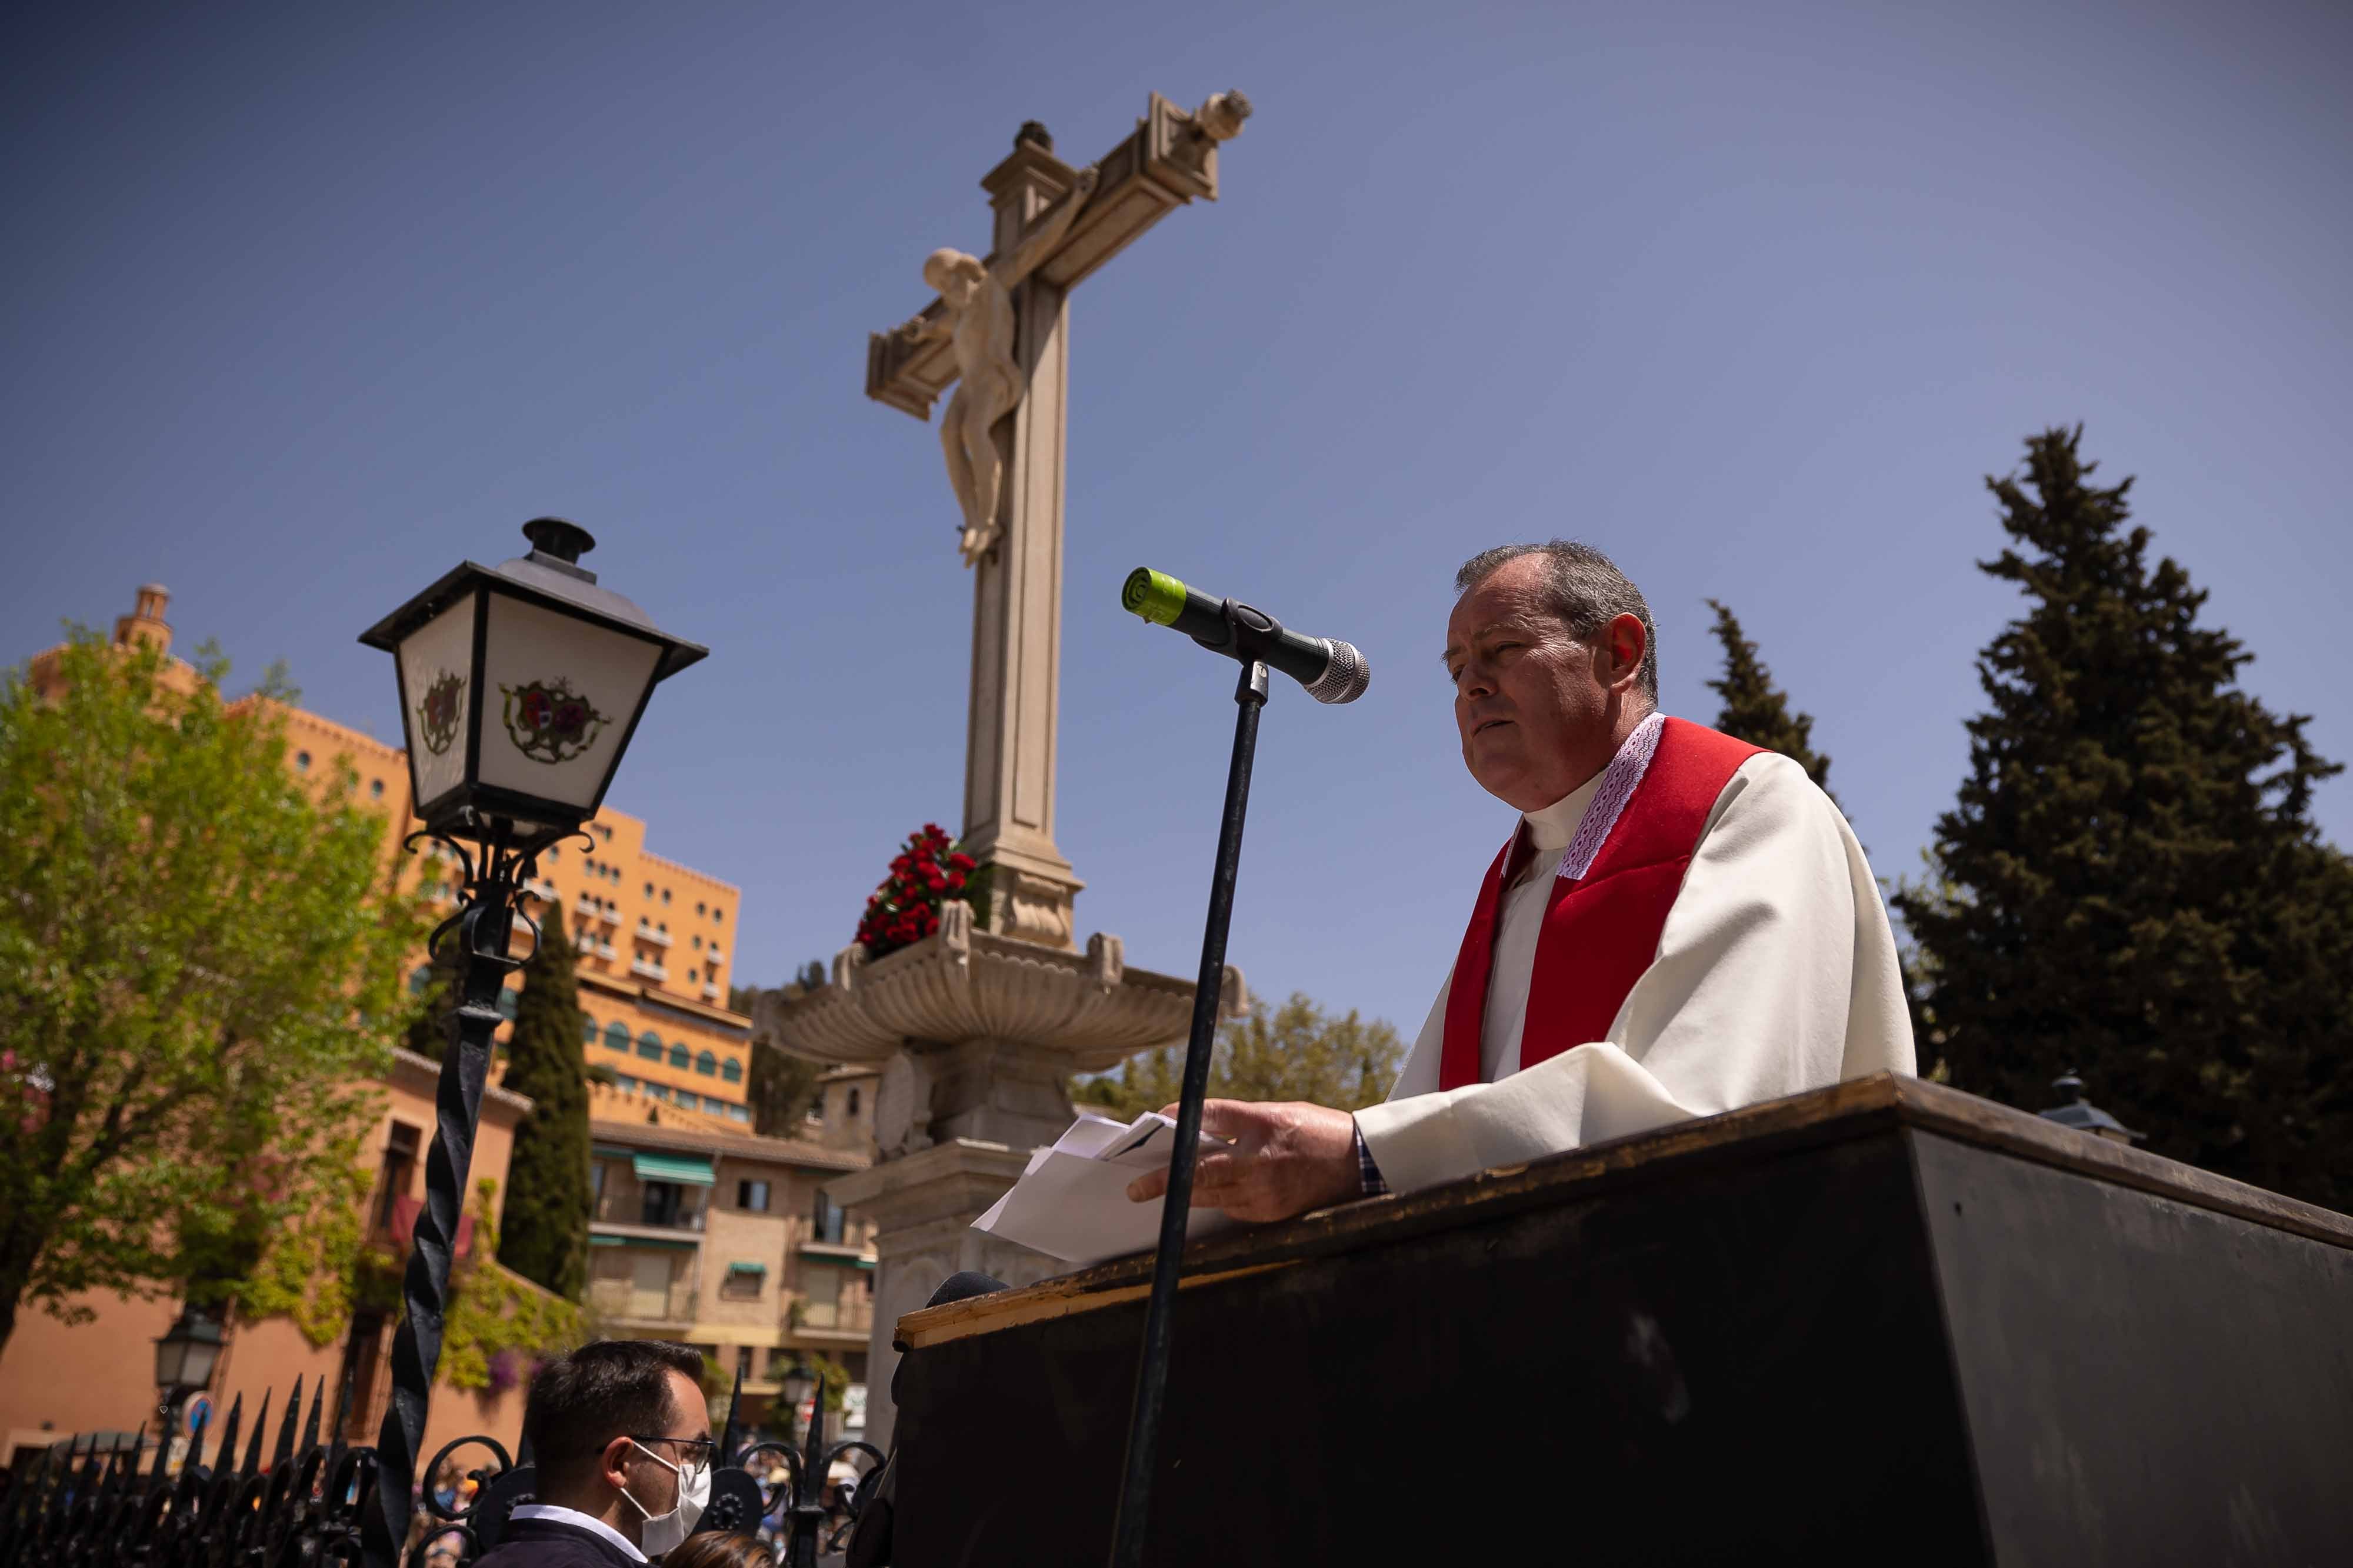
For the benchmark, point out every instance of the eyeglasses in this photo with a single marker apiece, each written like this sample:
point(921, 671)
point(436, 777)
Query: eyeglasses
point(693, 1453)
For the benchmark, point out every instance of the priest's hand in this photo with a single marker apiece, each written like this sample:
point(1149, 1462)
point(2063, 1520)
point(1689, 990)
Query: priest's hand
point(1288, 1159)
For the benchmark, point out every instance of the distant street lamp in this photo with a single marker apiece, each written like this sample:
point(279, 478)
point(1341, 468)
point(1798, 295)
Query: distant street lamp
point(2084, 1116)
point(185, 1358)
point(521, 686)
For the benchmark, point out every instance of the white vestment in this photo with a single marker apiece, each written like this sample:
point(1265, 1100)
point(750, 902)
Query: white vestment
point(1775, 973)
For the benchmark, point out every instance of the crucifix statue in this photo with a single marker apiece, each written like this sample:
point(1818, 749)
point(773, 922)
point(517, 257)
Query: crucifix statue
point(998, 328)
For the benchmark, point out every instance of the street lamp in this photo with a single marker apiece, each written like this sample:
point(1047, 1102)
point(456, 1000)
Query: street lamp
point(185, 1357)
point(521, 686)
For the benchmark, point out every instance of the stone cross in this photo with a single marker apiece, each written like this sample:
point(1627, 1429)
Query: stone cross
point(1001, 326)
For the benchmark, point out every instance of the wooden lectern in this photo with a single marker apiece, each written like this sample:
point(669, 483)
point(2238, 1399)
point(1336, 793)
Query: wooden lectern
point(1885, 1322)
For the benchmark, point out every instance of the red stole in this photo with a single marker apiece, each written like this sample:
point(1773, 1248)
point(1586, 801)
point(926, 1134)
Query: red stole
point(1601, 931)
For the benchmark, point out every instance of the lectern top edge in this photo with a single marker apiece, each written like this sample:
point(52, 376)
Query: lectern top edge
point(1845, 1111)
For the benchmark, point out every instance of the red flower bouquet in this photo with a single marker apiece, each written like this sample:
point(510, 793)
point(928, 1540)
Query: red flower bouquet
point(928, 872)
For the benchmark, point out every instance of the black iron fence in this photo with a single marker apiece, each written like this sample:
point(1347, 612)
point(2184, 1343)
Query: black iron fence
point(112, 1501)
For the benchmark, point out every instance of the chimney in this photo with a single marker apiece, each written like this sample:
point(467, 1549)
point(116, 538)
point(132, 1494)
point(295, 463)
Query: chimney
point(146, 623)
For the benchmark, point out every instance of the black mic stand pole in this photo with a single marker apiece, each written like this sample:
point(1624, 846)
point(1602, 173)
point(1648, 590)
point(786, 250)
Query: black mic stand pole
point(1151, 1369)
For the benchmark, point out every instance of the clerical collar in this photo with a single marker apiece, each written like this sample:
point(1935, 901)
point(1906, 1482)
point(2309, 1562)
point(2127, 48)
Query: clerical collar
point(1579, 822)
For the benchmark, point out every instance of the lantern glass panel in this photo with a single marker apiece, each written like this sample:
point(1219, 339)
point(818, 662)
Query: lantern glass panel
point(438, 689)
point(560, 693)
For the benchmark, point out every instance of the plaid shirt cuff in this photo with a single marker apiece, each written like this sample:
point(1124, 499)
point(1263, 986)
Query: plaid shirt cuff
point(1369, 1175)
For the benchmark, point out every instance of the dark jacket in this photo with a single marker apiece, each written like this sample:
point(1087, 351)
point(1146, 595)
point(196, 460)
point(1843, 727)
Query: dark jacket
point(550, 1544)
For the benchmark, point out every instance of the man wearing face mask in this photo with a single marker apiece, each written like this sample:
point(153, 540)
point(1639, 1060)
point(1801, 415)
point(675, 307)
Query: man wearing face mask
point(621, 1438)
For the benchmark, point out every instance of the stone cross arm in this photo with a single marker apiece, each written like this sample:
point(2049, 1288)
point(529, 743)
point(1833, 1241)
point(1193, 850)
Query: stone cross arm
point(1167, 160)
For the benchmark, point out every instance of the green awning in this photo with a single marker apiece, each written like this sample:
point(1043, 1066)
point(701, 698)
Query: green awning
point(662, 1245)
point(747, 1268)
point(692, 1170)
point(607, 1152)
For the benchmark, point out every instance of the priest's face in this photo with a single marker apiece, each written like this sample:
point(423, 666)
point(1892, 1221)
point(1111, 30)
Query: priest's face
point(1540, 710)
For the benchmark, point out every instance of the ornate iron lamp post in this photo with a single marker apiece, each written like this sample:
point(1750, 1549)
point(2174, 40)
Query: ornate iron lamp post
point(185, 1358)
point(521, 686)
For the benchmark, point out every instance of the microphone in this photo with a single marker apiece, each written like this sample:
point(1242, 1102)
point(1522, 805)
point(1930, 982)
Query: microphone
point(1331, 670)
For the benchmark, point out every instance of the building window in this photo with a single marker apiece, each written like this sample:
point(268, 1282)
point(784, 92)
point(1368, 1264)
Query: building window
point(732, 1070)
point(853, 1102)
point(828, 1218)
point(649, 1045)
point(738, 1114)
point(752, 1195)
point(626, 1084)
point(742, 1284)
point(707, 1064)
point(698, 945)
point(422, 978)
point(822, 1288)
point(554, 853)
point(698, 909)
point(667, 1204)
point(507, 1003)
point(301, 762)
point(719, 914)
point(677, 1056)
point(659, 1091)
point(650, 889)
point(375, 788)
point(588, 1030)
point(617, 1035)
point(665, 899)
point(687, 1102)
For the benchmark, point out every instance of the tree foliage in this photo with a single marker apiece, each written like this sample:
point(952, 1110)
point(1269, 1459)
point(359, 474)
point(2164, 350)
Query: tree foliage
point(1298, 1052)
point(781, 1087)
point(546, 1236)
point(199, 970)
point(2130, 883)
point(1757, 711)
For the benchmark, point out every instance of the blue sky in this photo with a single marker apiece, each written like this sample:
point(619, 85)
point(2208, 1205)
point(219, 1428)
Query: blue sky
point(306, 304)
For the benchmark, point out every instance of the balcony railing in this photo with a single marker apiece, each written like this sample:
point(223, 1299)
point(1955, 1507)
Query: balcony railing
point(647, 933)
point(542, 889)
point(710, 992)
point(631, 1210)
point(584, 905)
point(838, 1317)
point(622, 1299)
point(648, 968)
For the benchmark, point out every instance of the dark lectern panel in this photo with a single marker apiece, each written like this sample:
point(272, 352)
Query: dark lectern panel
point(1744, 1362)
point(2146, 1382)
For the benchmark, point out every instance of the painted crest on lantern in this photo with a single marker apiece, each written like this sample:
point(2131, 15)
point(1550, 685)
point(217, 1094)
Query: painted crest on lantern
point(548, 724)
point(437, 716)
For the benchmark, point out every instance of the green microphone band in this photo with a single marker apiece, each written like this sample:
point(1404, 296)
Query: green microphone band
point(1155, 595)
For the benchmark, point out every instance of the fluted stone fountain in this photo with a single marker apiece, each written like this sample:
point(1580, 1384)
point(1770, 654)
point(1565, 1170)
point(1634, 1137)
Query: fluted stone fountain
point(977, 1030)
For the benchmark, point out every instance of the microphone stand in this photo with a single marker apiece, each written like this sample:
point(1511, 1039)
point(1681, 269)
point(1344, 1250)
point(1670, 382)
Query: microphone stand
point(1151, 1369)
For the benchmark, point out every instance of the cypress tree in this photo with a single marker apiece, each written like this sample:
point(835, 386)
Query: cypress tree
point(1757, 711)
point(2130, 883)
point(545, 1236)
point(782, 1085)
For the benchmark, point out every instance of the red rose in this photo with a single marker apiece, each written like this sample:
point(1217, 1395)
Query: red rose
point(955, 881)
point(962, 861)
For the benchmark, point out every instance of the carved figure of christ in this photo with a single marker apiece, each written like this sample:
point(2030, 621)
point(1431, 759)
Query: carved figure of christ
point(978, 322)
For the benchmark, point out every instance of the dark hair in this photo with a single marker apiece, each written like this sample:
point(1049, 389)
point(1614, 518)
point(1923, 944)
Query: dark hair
point(1584, 588)
point(720, 1549)
point(581, 1402)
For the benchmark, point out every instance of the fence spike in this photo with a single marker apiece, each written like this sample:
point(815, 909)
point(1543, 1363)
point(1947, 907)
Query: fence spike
point(253, 1445)
point(311, 1427)
point(285, 1448)
point(225, 1452)
point(342, 1417)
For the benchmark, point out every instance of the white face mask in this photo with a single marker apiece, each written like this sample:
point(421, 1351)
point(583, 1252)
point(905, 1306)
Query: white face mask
point(664, 1532)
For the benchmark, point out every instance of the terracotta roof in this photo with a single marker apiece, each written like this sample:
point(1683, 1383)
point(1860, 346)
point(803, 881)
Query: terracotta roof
point(614, 1118)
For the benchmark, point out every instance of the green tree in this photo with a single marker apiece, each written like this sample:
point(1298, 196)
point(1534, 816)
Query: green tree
point(2130, 883)
point(1757, 711)
point(1298, 1052)
point(199, 982)
point(545, 1235)
point(782, 1086)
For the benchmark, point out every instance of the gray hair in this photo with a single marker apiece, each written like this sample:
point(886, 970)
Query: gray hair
point(1584, 588)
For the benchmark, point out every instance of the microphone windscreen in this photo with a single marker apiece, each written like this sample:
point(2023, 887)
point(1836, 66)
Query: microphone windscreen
point(1344, 677)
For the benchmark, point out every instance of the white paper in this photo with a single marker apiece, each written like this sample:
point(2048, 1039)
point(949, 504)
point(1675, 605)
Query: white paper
point(1072, 1204)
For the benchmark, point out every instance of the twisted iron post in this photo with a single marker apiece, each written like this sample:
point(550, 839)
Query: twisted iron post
point(483, 927)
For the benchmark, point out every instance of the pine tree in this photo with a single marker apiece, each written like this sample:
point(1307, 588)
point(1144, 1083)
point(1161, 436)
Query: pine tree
point(782, 1085)
point(545, 1236)
point(1757, 711)
point(1295, 1052)
point(2131, 883)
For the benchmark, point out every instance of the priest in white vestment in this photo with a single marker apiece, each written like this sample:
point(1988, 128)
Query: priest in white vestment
point(1681, 924)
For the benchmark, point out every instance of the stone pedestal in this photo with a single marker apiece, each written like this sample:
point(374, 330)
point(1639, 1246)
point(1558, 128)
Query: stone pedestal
point(977, 1034)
